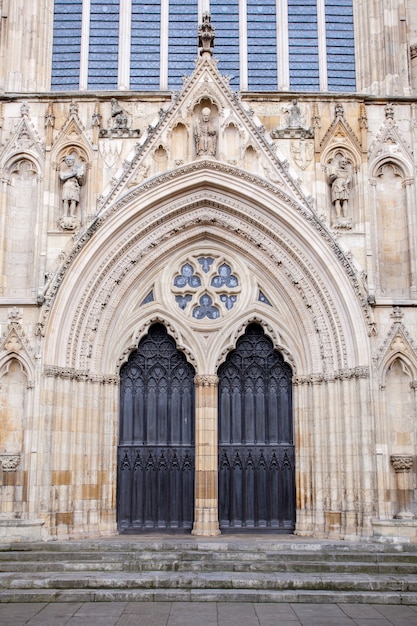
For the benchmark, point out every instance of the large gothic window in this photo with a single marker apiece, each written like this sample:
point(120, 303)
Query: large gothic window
point(262, 45)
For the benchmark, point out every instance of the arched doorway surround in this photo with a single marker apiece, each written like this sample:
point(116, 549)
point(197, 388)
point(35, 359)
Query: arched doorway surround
point(297, 284)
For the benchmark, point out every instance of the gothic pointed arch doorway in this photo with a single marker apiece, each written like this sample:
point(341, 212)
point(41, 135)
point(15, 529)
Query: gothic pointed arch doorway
point(156, 459)
point(256, 450)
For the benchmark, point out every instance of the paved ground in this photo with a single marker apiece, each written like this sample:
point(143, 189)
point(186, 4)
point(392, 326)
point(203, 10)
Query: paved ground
point(205, 614)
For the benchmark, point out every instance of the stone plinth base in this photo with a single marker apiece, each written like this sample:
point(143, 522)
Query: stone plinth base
point(20, 530)
point(395, 530)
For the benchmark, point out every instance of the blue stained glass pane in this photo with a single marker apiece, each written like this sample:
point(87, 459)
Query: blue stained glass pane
point(225, 18)
point(340, 45)
point(103, 44)
point(303, 45)
point(183, 40)
point(262, 45)
point(66, 44)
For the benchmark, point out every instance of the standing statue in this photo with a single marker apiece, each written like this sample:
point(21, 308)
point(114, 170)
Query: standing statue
point(339, 174)
point(294, 115)
point(205, 135)
point(72, 175)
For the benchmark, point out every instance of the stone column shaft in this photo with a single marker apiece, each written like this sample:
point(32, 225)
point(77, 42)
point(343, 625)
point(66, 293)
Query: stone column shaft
point(206, 518)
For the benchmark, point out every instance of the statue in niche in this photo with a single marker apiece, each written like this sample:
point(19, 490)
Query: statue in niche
point(72, 176)
point(340, 178)
point(205, 135)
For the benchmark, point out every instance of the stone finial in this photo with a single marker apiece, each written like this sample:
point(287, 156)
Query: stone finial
point(316, 119)
point(339, 111)
point(49, 116)
point(206, 35)
point(96, 116)
point(363, 119)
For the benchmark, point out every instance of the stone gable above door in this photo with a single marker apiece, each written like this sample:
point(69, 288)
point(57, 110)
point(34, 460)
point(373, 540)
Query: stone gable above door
point(205, 122)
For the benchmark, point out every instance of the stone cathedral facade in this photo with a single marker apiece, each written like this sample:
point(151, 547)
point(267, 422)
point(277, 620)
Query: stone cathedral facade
point(208, 283)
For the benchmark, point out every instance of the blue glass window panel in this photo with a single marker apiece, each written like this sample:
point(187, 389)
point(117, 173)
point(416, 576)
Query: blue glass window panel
point(66, 44)
point(103, 45)
point(145, 45)
point(183, 40)
point(303, 45)
point(340, 44)
point(225, 19)
point(262, 45)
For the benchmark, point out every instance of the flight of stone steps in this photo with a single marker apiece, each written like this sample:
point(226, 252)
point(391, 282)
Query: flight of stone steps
point(243, 569)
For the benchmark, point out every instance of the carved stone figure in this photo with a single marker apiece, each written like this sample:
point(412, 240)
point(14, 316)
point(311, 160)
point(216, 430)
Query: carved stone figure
point(119, 117)
point(72, 175)
point(339, 175)
point(294, 116)
point(205, 135)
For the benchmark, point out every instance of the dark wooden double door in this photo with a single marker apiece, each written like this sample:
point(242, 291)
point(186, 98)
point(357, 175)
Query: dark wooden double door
point(156, 452)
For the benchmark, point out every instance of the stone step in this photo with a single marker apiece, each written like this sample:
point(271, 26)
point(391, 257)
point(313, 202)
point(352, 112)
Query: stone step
point(209, 595)
point(217, 570)
point(212, 580)
point(175, 555)
point(249, 545)
point(206, 566)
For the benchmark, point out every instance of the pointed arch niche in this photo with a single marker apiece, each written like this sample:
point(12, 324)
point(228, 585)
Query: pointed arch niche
point(20, 205)
point(396, 436)
point(393, 227)
point(13, 409)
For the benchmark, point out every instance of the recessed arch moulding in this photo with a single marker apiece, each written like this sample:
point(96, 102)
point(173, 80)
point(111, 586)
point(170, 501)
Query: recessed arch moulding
point(125, 276)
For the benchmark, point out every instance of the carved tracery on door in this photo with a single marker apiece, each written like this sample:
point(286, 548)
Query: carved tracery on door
point(256, 451)
point(156, 442)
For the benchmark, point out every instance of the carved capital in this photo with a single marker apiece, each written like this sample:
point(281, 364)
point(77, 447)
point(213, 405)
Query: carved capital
point(402, 463)
point(206, 380)
point(9, 462)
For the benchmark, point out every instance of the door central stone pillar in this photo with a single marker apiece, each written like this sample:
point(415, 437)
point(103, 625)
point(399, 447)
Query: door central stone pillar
point(206, 518)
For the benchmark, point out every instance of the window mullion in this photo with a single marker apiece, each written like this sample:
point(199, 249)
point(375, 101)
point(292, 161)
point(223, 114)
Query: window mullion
point(163, 76)
point(85, 42)
point(321, 32)
point(125, 28)
point(243, 45)
point(283, 54)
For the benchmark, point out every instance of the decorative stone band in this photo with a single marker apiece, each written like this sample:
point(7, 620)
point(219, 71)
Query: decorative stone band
point(402, 463)
point(413, 50)
point(206, 380)
point(346, 374)
point(9, 462)
point(74, 374)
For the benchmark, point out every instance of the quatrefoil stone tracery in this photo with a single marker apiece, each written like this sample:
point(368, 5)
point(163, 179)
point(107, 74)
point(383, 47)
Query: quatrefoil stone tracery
point(205, 289)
